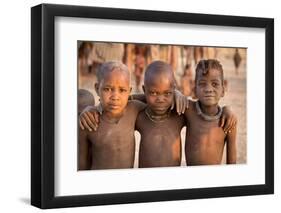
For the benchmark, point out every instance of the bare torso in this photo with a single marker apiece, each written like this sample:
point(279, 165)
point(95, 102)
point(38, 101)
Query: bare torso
point(160, 141)
point(113, 144)
point(205, 140)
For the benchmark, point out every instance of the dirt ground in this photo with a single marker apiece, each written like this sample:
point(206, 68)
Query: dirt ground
point(236, 99)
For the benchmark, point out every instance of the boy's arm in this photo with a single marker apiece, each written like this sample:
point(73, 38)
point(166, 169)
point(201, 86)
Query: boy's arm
point(231, 146)
point(84, 148)
point(89, 118)
point(138, 105)
point(228, 119)
point(181, 102)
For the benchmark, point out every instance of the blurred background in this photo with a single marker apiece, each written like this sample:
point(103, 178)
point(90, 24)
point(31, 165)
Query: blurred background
point(183, 60)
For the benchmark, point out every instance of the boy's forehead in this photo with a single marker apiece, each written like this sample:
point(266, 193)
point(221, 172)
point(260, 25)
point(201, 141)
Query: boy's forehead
point(160, 77)
point(116, 75)
point(214, 73)
point(159, 85)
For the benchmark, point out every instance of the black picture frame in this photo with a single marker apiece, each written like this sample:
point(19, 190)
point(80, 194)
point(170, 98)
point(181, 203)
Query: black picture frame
point(43, 105)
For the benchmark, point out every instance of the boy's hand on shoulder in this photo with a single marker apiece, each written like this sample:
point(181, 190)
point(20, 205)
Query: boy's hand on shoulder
point(89, 118)
point(228, 120)
point(180, 101)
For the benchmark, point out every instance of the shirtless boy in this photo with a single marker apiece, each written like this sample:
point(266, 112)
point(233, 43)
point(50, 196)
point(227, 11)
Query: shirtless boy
point(205, 139)
point(113, 144)
point(159, 126)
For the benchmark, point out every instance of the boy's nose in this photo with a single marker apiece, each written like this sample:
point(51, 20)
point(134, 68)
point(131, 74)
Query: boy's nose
point(115, 95)
point(208, 88)
point(160, 98)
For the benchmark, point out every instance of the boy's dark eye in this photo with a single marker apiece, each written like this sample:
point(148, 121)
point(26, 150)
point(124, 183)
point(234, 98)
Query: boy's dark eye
point(215, 84)
point(152, 93)
point(168, 93)
point(106, 89)
point(123, 90)
point(202, 84)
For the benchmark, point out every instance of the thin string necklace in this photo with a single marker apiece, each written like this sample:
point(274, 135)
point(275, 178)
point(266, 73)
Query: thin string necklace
point(157, 118)
point(208, 117)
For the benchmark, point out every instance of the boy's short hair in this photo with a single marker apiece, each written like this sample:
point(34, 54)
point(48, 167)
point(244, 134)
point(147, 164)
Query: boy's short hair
point(110, 66)
point(157, 67)
point(205, 65)
point(85, 98)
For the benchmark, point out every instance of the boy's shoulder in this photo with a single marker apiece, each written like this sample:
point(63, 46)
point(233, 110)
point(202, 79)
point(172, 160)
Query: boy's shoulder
point(136, 105)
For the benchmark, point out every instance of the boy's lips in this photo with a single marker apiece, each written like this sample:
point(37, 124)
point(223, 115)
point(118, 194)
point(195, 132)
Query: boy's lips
point(209, 99)
point(114, 106)
point(209, 96)
point(160, 108)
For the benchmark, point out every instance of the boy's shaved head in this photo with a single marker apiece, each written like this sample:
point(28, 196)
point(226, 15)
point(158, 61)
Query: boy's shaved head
point(157, 69)
point(85, 98)
point(108, 67)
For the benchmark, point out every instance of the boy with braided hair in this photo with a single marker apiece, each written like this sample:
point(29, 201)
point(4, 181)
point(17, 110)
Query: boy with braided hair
point(205, 139)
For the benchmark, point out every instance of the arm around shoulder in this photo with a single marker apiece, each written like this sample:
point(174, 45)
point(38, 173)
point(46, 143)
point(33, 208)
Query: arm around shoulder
point(139, 97)
point(228, 119)
point(231, 146)
point(137, 105)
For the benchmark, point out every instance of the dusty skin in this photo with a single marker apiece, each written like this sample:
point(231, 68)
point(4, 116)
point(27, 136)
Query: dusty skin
point(159, 127)
point(113, 144)
point(205, 140)
point(160, 137)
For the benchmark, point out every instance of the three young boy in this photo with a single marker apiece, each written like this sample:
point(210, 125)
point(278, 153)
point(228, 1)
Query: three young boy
point(112, 145)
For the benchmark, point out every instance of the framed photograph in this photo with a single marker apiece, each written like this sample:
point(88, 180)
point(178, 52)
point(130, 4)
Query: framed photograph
point(130, 68)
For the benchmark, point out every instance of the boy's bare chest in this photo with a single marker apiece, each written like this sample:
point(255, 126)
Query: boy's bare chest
point(201, 129)
point(172, 124)
point(111, 134)
point(205, 132)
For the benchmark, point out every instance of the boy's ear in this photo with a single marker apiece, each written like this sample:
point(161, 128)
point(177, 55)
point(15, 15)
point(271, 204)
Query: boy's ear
point(225, 87)
point(143, 88)
point(97, 88)
point(194, 92)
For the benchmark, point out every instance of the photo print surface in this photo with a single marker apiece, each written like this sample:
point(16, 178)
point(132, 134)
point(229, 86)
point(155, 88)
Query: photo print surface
point(159, 105)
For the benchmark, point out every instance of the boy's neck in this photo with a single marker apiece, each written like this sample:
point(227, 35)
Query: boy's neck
point(157, 118)
point(113, 119)
point(208, 113)
point(108, 116)
point(209, 110)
